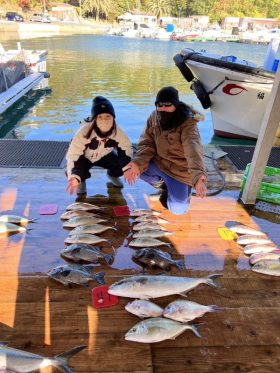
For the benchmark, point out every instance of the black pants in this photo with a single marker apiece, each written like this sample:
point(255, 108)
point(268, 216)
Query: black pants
point(110, 162)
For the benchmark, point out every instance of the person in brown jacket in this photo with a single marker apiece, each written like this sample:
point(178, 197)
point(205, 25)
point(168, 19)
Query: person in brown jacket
point(170, 154)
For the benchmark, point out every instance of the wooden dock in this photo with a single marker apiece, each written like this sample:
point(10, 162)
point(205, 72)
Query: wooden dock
point(42, 316)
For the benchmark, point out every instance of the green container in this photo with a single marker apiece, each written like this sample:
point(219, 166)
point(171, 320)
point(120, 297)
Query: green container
point(267, 192)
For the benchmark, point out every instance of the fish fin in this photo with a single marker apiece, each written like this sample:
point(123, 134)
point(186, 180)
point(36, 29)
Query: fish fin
point(33, 220)
point(194, 328)
point(108, 258)
point(210, 282)
point(99, 277)
point(180, 264)
point(62, 359)
point(183, 295)
point(214, 308)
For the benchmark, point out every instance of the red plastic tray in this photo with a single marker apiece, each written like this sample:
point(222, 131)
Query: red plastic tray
point(50, 209)
point(121, 210)
point(101, 298)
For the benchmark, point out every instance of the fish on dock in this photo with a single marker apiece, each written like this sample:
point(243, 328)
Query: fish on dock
point(147, 241)
point(150, 219)
point(257, 257)
point(93, 228)
point(259, 248)
point(246, 230)
point(87, 238)
point(11, 228)
point(157, 258)
point(87, 253)
point(82, 220)
point(15, 219)
point(145, 287)
point(26, 362)
point(185, 311)
point(144, 308)
point(147, 225)
point(141, 212)
point(158, 329)
point(153, 233)
point(250, 239)
point(84, 206)
point(267, 267)
point(75, 274)
point(74, 214)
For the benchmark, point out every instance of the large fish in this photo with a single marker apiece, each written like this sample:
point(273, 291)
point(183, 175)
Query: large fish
point(154, 233)
point(185, 311)
point(244, 229)
point(87, 253)
point(84, 206)
point(145, 287)
point(272, 255)
point(90, 239)
point(147, 241)
point(157, 258)
point(11, 228)
point(144, 308)
point(141, 212)
point(147, 225)
point(157, 329)
point(259, 248)
point(82, 220)
point(75, 274)
point(92, 228)
point(74, 214)
point(150, 219)
point(15, 219)
point(19, 361)
point(267, 267)
point(248, 239)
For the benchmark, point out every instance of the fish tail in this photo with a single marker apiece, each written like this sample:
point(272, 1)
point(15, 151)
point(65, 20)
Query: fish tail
point(99, 277)
point(210, 282)
point(214, 308)
point(108, 258)
point(194, 328)
point(180, 264)
point(33, 220)
point(61, 360)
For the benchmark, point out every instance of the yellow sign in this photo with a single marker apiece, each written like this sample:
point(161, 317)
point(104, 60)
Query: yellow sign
point(227, 234)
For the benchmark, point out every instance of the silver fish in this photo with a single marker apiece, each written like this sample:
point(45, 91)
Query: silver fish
point(150, 219)
point(84, 238)
point(267, 267)
point(93, 228)
point(147, 241)
point(248, 239)
point(83, 206)
point(75, 274)
point(82, 220)
point(185, 311)
point(244, 229)
point(147, 225)
point(83, 252)
point(257, 257)
point(154, 233)
point(15, 219)
point(74, 214)
point(144, 308)
point(157, 258)
point(11, 228)
point(259, 248)
point(145, 287)
point(26, 362)
point(157, 329)
point(141, 212)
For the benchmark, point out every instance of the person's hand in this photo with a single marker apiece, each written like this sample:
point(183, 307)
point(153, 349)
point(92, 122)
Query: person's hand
point(131, 174)
point(72, 186)
point(200, 187)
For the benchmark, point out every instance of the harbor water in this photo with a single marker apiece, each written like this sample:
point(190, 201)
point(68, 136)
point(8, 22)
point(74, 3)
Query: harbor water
point(127, 71)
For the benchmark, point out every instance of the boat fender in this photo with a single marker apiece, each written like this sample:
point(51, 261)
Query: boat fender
point(185, 71)
point(201, 94)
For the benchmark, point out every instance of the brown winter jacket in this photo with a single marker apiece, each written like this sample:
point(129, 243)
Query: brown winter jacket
point(177, 152)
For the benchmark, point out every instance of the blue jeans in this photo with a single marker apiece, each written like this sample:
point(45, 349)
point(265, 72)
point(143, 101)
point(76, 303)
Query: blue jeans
point(178, 200)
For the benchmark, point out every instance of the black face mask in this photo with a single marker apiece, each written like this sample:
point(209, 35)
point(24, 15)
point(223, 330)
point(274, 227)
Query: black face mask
point(166, 119)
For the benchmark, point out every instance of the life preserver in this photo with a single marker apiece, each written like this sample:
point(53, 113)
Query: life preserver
point(201, 94)
point(185, 71)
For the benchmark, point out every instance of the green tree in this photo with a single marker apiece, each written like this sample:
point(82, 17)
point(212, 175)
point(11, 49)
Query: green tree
point(97, 7)
point(159, 8)
point(178, 8)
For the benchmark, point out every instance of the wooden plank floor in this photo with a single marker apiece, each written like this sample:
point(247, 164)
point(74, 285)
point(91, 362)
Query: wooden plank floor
point(40, 315)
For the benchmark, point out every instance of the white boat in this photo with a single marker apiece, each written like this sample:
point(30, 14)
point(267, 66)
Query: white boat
point(20, 71)
point(236, 91)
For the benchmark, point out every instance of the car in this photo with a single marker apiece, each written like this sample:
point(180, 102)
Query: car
point(40, 17)
point(13, 16)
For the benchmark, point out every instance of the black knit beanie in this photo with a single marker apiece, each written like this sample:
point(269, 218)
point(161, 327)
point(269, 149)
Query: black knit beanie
point(168, 94)
point(101, 105)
